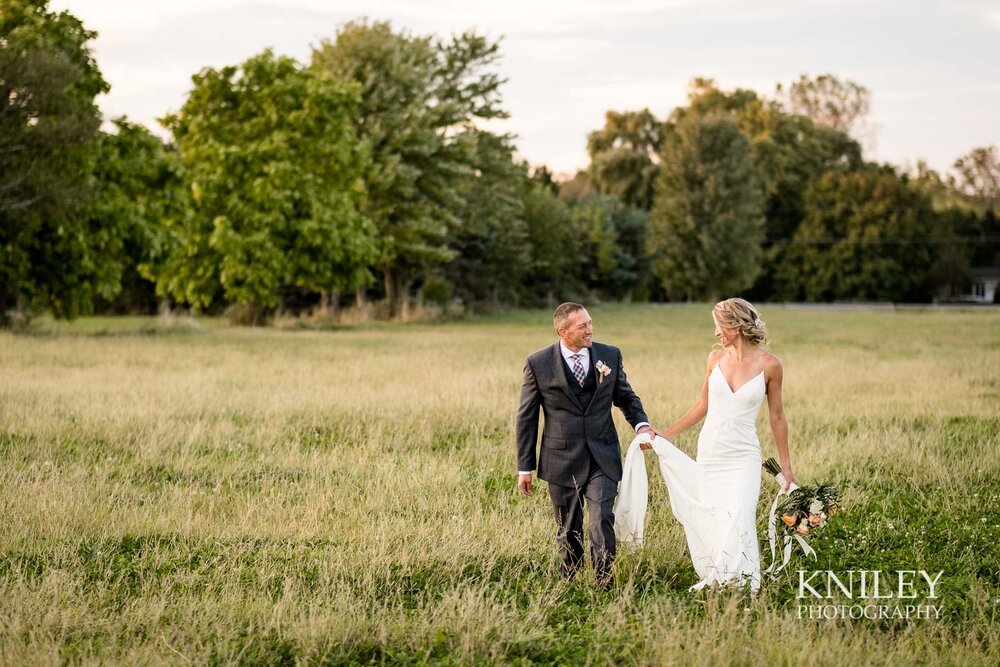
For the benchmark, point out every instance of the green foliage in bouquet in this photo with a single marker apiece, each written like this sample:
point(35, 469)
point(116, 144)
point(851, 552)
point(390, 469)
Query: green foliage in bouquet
point(807, 507)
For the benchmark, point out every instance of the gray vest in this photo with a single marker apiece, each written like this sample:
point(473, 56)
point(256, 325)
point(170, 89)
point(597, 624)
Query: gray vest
point(586, 392)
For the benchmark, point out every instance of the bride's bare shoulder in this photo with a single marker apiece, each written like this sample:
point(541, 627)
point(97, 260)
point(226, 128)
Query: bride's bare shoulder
point(772, 364)
point(714, 356)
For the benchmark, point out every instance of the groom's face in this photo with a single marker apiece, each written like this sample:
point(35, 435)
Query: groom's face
point(579, 330)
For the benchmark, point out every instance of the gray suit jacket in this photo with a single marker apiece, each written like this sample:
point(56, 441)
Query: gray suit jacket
point(572, 431)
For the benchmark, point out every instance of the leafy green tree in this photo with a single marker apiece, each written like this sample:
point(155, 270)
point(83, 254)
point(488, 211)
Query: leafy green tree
point(418, 95)
point(979, 177)
point(141, 195)
point(828, 100)
point(50, 255)
point(705, 98)
point(951, 270)
point(624, 156)
point(978, 186)
point(576, 188)
point(274, 168)
point(789, 151)
point(543, 176)
point(943, 192)
point(865, 236)
point(969, 233)
point(554, 249)
point(707, 223)
point(490, 249)
point(615, 260)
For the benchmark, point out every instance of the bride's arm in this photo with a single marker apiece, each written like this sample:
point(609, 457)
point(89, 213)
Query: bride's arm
point(776, 412)
point(694, 415)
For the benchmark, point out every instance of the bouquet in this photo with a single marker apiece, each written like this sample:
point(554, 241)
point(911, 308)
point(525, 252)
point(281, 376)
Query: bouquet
point(802, 510)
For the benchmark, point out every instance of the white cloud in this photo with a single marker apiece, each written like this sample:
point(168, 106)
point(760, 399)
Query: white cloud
point(971, 90)
point(986, 10)
point(568, 61)
point(993, 17)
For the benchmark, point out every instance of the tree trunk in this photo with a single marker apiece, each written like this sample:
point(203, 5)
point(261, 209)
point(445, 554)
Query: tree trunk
point(3, 305)
point(17, 318)
point(280, 312)
point(328, 302)
point(397, 294)
point(334, 305)
point(389, 282)
point(165, 312)
point(361, 302)
point(324, 304)
point(403, 294)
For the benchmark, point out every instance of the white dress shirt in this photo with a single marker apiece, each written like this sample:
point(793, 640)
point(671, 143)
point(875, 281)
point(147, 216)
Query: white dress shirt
point(585, 362)
point(584, 357)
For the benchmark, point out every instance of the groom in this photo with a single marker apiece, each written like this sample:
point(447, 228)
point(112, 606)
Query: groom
point(575, 382)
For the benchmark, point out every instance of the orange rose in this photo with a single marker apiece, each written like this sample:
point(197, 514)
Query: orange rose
point(789, 519)
point(815, 519)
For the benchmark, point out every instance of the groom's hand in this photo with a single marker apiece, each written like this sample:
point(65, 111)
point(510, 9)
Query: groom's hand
point(652, 433)
point(524, 484)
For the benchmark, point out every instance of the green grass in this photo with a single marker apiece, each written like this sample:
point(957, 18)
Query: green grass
point(206, 494)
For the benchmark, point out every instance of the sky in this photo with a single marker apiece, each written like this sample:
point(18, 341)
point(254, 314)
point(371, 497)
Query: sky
point(931, 65)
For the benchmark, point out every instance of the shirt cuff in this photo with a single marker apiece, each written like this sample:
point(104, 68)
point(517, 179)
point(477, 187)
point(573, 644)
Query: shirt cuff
point(523, 472)
point(640, 425)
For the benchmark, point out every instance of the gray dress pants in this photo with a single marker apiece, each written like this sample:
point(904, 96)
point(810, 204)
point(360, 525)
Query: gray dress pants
point(599, 492)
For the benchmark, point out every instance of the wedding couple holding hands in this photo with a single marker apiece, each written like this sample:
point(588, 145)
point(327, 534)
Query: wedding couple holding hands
point(576, 381)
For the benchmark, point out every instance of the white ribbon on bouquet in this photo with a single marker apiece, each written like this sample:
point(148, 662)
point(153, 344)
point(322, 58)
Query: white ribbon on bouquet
point(772, 532)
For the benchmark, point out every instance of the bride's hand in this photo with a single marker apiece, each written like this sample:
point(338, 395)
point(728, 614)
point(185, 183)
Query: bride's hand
point(789, 479)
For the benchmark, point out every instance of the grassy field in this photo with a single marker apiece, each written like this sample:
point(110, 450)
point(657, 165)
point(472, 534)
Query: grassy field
point(205, 494)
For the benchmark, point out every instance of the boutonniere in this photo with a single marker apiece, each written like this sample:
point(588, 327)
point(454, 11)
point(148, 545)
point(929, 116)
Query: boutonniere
point(603, 369)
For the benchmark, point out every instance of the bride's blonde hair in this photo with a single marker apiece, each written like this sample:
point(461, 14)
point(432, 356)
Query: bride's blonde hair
point(740, 314)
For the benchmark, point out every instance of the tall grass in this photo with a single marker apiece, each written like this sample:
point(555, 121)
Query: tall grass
point(209, 494)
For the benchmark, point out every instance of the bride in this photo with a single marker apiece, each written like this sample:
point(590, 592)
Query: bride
point(715, 497)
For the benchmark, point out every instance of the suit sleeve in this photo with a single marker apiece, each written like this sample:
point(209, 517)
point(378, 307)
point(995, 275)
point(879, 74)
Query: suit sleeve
point(527, 421)
point(625, 399)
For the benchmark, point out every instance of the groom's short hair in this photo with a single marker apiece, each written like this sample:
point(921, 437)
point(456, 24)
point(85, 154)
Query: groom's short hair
point(563, 312)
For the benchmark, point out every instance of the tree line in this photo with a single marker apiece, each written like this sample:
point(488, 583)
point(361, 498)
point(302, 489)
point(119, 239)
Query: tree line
point(368, 177)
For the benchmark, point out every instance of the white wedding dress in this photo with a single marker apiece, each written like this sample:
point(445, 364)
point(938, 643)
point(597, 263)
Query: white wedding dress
point(715, 497)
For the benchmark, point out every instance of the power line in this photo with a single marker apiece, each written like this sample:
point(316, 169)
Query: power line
point(893, 240)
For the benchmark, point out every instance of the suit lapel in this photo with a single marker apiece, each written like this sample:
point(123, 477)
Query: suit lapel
point(559, 368)
point(596, 356)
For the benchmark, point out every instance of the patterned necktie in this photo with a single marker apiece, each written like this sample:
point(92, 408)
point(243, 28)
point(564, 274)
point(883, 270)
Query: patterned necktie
point(578, 368)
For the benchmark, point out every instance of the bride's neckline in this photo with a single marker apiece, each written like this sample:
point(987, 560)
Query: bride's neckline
point(729, 386)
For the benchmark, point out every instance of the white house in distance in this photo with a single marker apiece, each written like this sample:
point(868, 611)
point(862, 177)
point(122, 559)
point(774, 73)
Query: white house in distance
point(984, 284)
